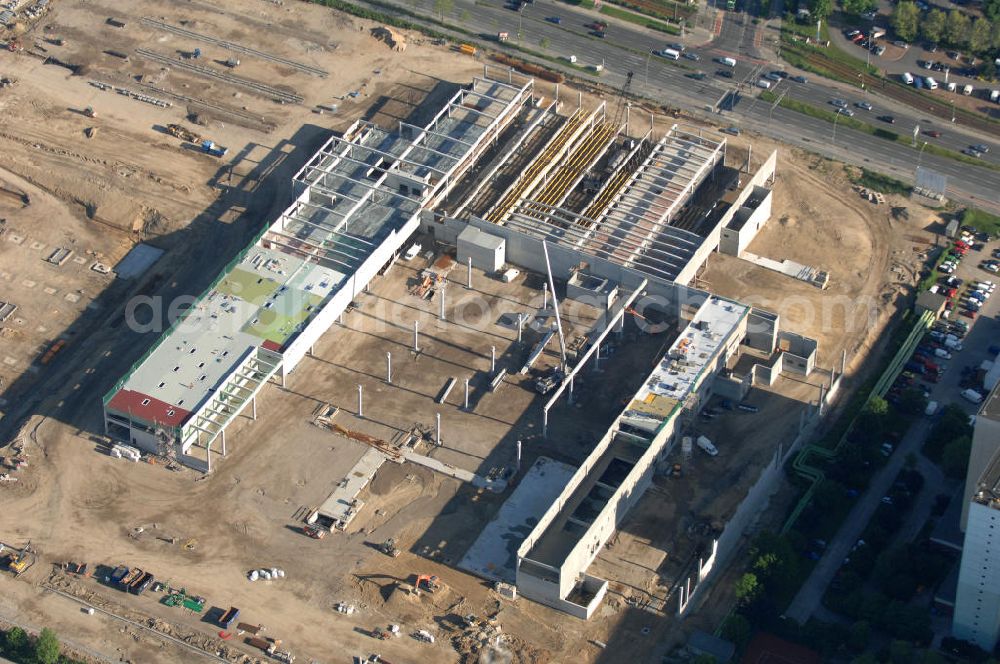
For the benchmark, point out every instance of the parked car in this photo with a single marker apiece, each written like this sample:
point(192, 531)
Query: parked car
point(981, 147)
point(800, 79)
point(972, 153)
point(887, 118)
point(846, 111)
point(933, 133)
point(733, 131)
point(839, 103)
point(863, 105)
point(690, 55)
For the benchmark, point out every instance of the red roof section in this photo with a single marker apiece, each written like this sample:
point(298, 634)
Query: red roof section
point(769, 649)
point(154, 410)
point(271, 345)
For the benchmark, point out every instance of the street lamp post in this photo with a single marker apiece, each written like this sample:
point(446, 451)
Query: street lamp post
point(920, 155)
point(953, 110)
point(648, 56)
point(836, 117)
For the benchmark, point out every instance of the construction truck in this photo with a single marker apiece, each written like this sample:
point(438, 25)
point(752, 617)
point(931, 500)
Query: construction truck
point(183, 133)
point(428, 582)
point(314, 531)
point(549, 380)
point(209, 147)
point(389, 548)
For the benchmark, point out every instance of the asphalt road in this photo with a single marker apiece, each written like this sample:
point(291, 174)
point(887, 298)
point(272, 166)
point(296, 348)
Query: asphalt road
point(628, 48)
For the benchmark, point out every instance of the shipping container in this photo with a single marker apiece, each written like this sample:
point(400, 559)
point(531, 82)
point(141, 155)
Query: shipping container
point(229, 617)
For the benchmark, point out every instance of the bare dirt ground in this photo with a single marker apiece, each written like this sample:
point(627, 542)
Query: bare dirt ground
point(818, 220)
point(132, 182)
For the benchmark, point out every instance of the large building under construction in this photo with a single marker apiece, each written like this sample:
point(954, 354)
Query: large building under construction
point(610, 207)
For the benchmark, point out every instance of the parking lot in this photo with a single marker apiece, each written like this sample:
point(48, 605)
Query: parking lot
point(959, 344)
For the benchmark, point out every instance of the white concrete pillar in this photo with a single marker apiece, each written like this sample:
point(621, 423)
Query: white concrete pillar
point(388, 367)
point(441, 296)
point(437, 429)
point(469, 280)
point(493, 360)
point(466, 394)
point(253, 406)
point(361, 410)
point(545, 296)
point(208, 453)
point(223, 436)
point(416, 336)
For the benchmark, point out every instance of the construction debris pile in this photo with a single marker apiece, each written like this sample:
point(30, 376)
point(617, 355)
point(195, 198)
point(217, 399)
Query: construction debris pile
point(395, 39)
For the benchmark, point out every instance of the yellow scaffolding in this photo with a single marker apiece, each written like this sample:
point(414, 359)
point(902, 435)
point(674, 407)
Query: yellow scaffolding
point(497, 214)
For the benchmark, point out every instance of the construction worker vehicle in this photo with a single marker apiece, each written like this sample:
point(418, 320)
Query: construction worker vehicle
point(19, 561)
point(389, 548)
point(314, 531)
point(548, 381)
point(428, 582)
point(183, 133)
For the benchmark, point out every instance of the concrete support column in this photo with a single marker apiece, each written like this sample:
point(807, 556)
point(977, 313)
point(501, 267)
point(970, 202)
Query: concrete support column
point(208, 453)
point(466, 394)
point(597, 358)
point(520, 326)
point(569, 398)
point(312, 350)
point(468, 283)
point(361, 410)
point(437, 429)
point(843, 361)
point(545, 422)
point(388, 368)
point(282, 377)
point(441, 296)
point(545, 296)
point(253, 406)
point(416, 336)
point(222, 435)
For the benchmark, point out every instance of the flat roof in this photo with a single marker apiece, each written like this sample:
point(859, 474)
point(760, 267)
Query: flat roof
point(356, 191)
point(989, 481)
point(672, 380)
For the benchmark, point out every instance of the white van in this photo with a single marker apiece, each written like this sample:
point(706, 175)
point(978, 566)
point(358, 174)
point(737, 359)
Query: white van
point(763, 83)
point(509, 275)
point(952, 86)
point(670, 54)
point(412, 252)
point(729, 62)
point(907, 78)
point(706, 446)
point(967, 90)
point(930, 83)
point(995, 96)
point(972, 395)
point(931, 408)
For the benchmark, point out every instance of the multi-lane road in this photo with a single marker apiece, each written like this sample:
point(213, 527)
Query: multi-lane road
point(558, 29)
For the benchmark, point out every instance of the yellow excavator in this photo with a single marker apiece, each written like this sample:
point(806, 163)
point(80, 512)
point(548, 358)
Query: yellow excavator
point(18, 561)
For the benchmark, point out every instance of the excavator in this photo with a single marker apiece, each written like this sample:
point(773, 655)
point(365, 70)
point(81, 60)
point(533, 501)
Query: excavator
point(18, 562)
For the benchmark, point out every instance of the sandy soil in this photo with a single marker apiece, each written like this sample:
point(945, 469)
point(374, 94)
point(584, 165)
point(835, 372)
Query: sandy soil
point(131, 182)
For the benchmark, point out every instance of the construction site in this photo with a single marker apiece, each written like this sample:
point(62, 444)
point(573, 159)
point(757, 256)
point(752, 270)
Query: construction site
point(482, 365)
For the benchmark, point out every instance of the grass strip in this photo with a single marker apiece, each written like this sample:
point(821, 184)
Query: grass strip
point(639, 19)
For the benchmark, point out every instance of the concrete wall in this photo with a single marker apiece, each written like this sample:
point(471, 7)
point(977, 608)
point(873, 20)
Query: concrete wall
point(801, 351)
point(345, 295)
point(626, 495)
point(736, 241)
point(749, 220)
point(752, 505)
point(977, 602)
point(731, 387)
point(762, 330)
point(675, 299)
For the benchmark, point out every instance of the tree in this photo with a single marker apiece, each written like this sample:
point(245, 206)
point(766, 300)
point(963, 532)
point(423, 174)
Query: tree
point(980, 35)
point(904, 20)
point(16, 642)
point(820, 9)
point(955, 458)
point(992, 10)
point(47, 647)
point(932, 27)
point(544, 42)
point(858, 6)
point(900, 652)
point(956, 30)
point(861, 632)
point(747, 588)
point(912, 402)
point(737, 629)
point(443, 7)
